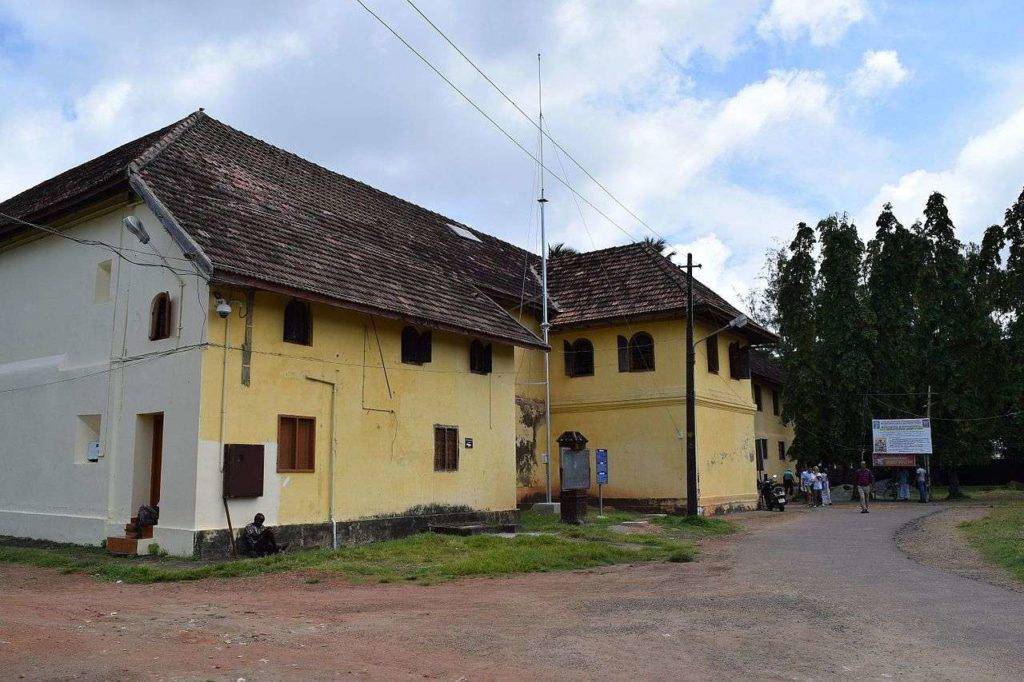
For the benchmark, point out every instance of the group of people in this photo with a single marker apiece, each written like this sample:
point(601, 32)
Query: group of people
point(814, 486)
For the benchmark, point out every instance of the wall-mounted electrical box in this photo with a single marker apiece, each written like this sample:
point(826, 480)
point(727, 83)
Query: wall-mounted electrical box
point(243, 470)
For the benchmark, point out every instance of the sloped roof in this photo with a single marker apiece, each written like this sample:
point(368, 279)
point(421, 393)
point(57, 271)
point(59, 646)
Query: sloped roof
point(625, 282)
point(263, 215)
point(764, 366)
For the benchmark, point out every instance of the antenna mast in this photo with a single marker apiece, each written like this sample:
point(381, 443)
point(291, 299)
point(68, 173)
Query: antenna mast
point(545, 325)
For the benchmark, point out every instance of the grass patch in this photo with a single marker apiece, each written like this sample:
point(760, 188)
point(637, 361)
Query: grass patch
point(981, 493)
point(999, 536)
point(424, 559)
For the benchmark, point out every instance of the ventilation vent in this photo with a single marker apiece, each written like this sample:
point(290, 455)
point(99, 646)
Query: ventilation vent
point(463, 232)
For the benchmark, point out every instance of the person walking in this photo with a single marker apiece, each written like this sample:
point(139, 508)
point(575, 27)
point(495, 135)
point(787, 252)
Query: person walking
point(922, 484)
point(787, 483)
point(806, 477)
point(816, 486)
point(826, 490)
point(904, 486)
point(864, 477)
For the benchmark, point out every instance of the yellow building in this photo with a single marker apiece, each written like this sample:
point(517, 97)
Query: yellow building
point(773, 436)
point(618, 376)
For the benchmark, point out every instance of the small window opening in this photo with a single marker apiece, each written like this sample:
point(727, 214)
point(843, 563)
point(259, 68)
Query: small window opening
point(446, 448)
point(298, 323)
point(160, 317)
point(757, 398)
point(579, 358)
point(416, 346)
point(480, 359)
point(712, 352)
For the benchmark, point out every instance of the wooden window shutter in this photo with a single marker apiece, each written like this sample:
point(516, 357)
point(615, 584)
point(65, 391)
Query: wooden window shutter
point(758, 400)
point(712, 353)
point(424, 347)
point(735, 371)
point(570, 370)
point(439, 451)
point(298, 323)
point(623, 354)
point(160, 317)
point(744, 355)
point(782, 450)
point(285, 444)
point(446, 448)
point(775, 402)
point(410, 342)
point(296, 443)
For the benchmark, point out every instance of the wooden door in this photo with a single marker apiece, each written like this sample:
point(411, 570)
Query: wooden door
point(154, 472)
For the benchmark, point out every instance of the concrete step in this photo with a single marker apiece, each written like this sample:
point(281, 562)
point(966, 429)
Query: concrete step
point(466, 529)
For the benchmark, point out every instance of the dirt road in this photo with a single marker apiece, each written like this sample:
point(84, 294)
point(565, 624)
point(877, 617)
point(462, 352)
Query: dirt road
point(804, 595)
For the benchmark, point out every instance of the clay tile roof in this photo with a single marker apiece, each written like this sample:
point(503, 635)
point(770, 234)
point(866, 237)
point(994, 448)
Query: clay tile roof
point(631, 281)
point(267, 217)
point(79, 183)
point(764, 366)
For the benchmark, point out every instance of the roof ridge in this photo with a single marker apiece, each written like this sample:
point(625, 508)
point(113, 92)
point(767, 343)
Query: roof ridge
point(581, 254)
point(153, 151)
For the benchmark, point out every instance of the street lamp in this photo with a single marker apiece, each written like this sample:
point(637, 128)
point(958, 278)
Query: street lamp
point(691, 428)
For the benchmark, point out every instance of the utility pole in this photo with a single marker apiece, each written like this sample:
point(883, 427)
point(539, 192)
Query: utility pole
point(544, 325)
point(691, 426)
point(928, 413)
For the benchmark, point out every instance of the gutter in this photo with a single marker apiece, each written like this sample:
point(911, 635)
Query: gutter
point(189, 247)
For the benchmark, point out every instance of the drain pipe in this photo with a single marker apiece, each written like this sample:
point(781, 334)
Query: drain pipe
point(330, 463)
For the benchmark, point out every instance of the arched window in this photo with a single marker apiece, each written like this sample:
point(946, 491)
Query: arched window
point(640, 352)
point(479, 357)
point(415, 346)
point(579, 358)
point(298, 323)
point(160, 317)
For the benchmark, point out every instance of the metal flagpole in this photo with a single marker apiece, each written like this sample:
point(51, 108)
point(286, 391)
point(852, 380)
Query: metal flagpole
point(545, 325)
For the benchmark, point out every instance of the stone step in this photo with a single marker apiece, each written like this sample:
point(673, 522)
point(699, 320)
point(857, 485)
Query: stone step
point(465, 529)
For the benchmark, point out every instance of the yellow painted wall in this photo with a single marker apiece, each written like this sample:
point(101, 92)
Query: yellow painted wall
point(385, 446)
point(770, 426)
point(640, 417)
point(531, 431)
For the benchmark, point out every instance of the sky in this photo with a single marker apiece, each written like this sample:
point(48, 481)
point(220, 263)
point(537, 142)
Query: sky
point(720, 124)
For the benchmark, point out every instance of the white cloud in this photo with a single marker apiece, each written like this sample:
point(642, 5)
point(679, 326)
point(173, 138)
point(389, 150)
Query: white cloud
point(984, 179)
point(720, 270)
point(880, 71)
point(824, 21)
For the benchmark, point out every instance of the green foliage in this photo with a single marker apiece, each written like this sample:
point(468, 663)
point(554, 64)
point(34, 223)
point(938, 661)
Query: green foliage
point(999, 536)
point(424, 559)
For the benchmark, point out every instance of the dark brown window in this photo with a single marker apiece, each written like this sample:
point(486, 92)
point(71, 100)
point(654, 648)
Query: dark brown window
point(446, 448)
point(775, 402)
point(579, 358)
point(757, 398)
point(416, 347)
point(782, 450)
point(712, 350)
point(739, 361)
point(480, 358)
point(761, 450)
point(160, 317)
point(296, 443)
point(637, 354)
point(298, 323)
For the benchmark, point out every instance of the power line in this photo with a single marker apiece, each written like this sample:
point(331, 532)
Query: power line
point(532, 122)
point(100, 244)
point(491, 120)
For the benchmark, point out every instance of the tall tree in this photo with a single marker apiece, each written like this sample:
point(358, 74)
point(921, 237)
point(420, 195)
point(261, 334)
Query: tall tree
point(796, 324)
point(844, 339)
point(894, 261)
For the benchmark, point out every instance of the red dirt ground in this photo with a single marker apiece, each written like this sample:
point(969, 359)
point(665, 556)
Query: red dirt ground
point(727, 615)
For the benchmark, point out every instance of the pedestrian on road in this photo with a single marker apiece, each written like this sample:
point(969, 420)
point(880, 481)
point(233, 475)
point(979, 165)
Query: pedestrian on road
point(904, 486)
point(864, 478)
point(787, 483)
point(826, 490)
point(816, 486)
point(922, 484)
point(805, 485)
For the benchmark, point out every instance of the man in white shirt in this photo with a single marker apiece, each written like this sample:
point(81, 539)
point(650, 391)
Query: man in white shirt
point(922, 483)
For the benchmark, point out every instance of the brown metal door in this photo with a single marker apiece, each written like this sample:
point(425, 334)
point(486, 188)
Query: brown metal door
point(154, 472)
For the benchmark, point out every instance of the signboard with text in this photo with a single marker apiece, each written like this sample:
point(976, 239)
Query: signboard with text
point(908, 461)
point(901, 437)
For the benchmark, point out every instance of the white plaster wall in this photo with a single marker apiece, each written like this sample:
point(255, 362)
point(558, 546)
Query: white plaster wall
point(210, 505)
point(56, 345)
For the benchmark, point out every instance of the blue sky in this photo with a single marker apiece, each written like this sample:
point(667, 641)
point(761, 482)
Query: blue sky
point(721, 123)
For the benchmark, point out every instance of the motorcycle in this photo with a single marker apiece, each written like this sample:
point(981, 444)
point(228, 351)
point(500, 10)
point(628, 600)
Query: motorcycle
point(773, 494)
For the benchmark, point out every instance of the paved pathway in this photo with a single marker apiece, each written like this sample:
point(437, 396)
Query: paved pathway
point(909, 619)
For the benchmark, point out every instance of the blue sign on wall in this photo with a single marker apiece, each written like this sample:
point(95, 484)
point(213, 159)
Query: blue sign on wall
point(602, 466)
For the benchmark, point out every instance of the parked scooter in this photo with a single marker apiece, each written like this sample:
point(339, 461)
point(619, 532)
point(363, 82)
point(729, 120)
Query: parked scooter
point(773, 495)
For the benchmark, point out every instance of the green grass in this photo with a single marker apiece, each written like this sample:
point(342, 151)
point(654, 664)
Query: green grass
point(999, 536)
point(981, 493)
point(424, 559)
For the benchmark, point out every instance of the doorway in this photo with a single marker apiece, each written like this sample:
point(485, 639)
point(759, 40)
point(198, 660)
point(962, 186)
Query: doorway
point(148, 464)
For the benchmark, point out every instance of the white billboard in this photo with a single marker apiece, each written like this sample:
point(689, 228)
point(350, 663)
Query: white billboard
point(901, 436)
